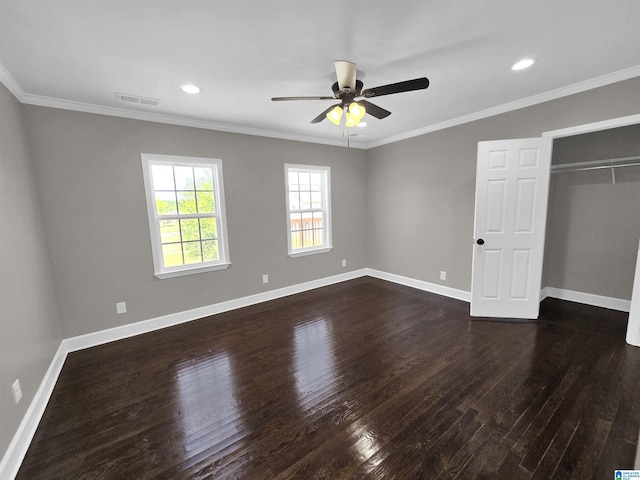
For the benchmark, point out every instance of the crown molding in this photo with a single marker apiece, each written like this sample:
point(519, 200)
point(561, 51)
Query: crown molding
point(12, 85)
point(26, 98)
point(43, 101)
point(579, 87)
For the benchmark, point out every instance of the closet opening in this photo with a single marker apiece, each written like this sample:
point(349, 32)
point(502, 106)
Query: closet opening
point(593, 219)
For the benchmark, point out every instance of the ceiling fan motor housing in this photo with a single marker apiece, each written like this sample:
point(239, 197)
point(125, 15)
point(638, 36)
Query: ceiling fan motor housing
point(349, 94)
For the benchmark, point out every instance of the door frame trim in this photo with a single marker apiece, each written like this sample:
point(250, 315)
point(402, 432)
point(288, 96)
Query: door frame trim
point(594, 127)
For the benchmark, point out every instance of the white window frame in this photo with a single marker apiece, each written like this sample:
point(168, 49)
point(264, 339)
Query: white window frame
point(326, 208)
point(160, 271)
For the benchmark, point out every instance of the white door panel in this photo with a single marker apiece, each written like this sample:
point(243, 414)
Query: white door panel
point(512, 186)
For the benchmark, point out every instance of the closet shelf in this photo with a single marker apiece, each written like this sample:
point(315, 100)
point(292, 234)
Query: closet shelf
point(596, 165)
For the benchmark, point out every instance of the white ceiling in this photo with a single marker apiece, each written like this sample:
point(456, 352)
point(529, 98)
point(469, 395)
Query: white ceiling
point(78, 53)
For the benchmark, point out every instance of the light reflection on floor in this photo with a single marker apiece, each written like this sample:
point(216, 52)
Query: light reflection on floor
point(314, 360)
point(206, 393)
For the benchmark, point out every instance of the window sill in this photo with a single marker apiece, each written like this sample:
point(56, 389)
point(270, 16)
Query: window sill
point(191, 271)
point(310, 252)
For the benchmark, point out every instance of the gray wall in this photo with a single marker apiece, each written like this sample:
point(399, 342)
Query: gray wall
point(405, 208)
point(29, 328)
point(424, 187)
point(593, 225)
point(89, 176)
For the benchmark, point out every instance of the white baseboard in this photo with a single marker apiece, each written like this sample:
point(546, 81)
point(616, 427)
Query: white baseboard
point(544, 293)
point(19, 445)
point(587, 298)
point(421, 285)
point(118, 333)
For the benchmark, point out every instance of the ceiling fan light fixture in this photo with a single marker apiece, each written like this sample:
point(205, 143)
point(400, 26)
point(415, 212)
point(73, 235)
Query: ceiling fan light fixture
point(356, 110)
point(335, 115)
point(355, 114)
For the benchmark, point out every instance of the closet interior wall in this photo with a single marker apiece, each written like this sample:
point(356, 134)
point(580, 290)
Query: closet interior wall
point(593, 223)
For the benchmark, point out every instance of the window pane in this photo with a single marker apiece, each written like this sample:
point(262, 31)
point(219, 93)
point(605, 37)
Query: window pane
point(186, 202)
point(162, 177)
point(293, 181)
point(305, 200)
point(296, 240)
point(309, 216)
point(296, 221)
point(172, 254)
point(317, 220)
point(316, 200)
point(205, 202)
point(294, 201)
point(166, 203)
point(316, 181)
point(192, 253)
point(307, 238)
point(208, 228)
point(189, 214)
point(307, 221)
point(307, 233)
point(184, 178)
point(169, 231)
point(190, 229)
point(204, 178)
point(304, 180)
point(210, 251)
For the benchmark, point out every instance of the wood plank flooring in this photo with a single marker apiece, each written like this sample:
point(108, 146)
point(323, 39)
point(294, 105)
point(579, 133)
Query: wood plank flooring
point(362, 379)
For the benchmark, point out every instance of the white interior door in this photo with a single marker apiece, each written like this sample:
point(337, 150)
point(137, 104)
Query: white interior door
point(512, 187)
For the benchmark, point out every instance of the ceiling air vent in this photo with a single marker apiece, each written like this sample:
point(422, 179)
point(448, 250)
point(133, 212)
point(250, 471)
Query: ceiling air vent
point(128, 98)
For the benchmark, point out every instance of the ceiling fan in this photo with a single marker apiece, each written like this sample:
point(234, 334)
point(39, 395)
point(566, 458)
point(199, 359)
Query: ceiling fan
point(348, 90)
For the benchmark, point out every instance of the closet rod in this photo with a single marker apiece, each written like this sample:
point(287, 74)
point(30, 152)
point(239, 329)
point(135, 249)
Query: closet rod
point(596, 165)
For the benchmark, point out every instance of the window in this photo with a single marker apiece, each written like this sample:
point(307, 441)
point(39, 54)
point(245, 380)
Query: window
point(185, 203)
point(308, 209)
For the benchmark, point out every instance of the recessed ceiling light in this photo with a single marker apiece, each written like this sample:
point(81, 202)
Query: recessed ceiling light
point(362, 124)
point(522, 64)
point(188, 88)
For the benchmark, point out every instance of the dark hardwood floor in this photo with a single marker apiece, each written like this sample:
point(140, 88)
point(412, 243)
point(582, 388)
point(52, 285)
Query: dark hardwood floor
point(363, 379)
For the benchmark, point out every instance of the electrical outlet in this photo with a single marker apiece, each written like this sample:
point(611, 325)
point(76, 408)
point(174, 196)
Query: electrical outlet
point(265, 278)
point(344, 262)
point(17, 391)
point(443, 275)
point(121, 307)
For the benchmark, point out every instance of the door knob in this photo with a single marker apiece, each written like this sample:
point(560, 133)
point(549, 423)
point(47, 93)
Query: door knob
point(480, 241)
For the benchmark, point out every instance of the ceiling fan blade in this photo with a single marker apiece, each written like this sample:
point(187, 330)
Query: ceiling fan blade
point(406, 86)
point(374, 110)
point(286, 99)
point(346, 73)
point(323, 115)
